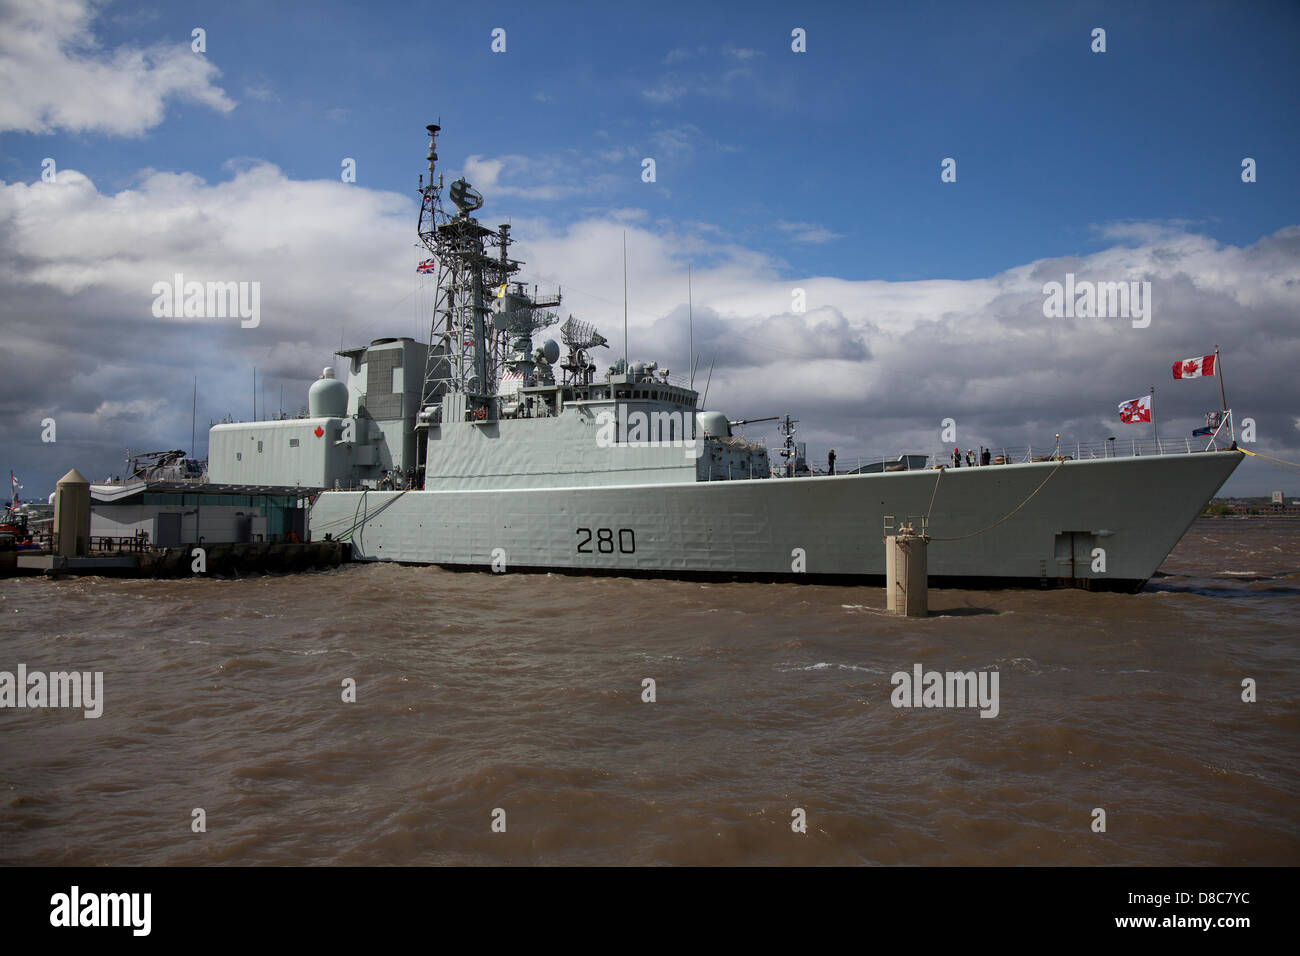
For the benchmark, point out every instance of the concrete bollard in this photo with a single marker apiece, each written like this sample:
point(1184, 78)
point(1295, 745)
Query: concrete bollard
point(72, 514)
point(906, 580)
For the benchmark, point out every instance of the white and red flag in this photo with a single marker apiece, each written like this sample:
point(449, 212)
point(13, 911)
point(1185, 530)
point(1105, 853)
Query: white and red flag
point(1138, 410)
point(1194, 367)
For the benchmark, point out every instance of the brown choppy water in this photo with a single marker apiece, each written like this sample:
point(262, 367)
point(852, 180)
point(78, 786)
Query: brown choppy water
point(523, 692)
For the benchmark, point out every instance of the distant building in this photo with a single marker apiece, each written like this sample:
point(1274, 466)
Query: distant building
point(1262, 505)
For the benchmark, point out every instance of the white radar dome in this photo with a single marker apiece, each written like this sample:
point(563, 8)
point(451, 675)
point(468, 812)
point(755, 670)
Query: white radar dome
point(327, 397)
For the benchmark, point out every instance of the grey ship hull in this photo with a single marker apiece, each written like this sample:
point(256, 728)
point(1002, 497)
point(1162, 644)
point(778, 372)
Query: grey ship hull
point(1135, 509)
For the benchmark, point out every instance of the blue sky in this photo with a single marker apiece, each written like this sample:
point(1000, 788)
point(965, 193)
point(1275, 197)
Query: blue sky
point(774, 169)
point(1049, 137)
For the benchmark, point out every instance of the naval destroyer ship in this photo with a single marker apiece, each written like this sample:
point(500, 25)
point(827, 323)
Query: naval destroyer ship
point(480, 449)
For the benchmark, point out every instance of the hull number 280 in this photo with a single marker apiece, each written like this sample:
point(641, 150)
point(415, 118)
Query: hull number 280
point(602, 541)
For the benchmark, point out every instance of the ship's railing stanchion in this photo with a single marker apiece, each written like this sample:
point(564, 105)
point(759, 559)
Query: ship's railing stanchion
point(1226, 420)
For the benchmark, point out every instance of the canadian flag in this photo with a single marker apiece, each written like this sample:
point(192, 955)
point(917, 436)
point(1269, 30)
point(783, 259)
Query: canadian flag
point(1194, 367)
point(1138, 410)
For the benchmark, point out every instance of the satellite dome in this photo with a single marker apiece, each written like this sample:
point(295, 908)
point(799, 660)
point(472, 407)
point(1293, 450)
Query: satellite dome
point(327, 397)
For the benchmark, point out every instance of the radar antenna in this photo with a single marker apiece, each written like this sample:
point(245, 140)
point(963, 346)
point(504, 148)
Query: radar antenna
point(578, 338)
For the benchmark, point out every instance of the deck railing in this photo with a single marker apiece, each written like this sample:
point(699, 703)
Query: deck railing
point(1106, 448)
point(118, 544)
point(1048, 451)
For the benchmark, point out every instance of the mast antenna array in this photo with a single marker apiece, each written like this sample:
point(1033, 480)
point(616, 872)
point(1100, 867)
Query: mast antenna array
point(468, 351)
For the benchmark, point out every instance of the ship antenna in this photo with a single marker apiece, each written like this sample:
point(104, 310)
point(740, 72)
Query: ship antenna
point(706, 383)
point(1218, 370)
point(626, 370)
point(1155, 429)
point(690, 321)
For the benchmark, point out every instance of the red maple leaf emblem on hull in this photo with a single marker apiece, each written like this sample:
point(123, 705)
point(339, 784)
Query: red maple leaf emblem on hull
point(319, 431)
point(1189, 368)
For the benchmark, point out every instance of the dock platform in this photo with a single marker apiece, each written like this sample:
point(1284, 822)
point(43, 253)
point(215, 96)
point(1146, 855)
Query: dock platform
point(222, 560)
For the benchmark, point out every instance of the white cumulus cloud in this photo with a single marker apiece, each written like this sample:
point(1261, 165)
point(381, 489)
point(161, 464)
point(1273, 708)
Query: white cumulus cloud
point(870, 366)
point(55, 75)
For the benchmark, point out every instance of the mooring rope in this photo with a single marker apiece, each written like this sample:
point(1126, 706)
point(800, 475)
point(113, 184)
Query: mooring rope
point(371, 515)
point(359, 520)
point(1005, 516)
point(1277, 461)
point(933, 495)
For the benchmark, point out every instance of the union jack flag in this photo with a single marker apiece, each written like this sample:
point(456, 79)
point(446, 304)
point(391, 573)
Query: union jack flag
point(427, 266)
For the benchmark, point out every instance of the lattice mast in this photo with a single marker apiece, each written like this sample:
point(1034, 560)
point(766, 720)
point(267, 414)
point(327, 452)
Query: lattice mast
point(473, 266)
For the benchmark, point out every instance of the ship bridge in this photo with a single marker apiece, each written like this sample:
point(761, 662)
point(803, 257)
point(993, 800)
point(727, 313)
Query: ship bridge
point(636, 426)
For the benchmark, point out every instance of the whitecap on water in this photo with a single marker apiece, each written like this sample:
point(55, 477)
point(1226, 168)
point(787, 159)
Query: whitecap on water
point(824, 665)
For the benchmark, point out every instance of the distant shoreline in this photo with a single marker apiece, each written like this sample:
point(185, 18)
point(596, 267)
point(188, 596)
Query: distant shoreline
point(1262, 514)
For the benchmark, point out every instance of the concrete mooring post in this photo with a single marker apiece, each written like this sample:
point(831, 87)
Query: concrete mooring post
point(906, 574)
point(72, 514)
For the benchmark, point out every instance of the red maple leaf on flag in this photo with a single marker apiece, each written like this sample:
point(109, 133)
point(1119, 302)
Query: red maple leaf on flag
point(1196, 366)
point(319, 431)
